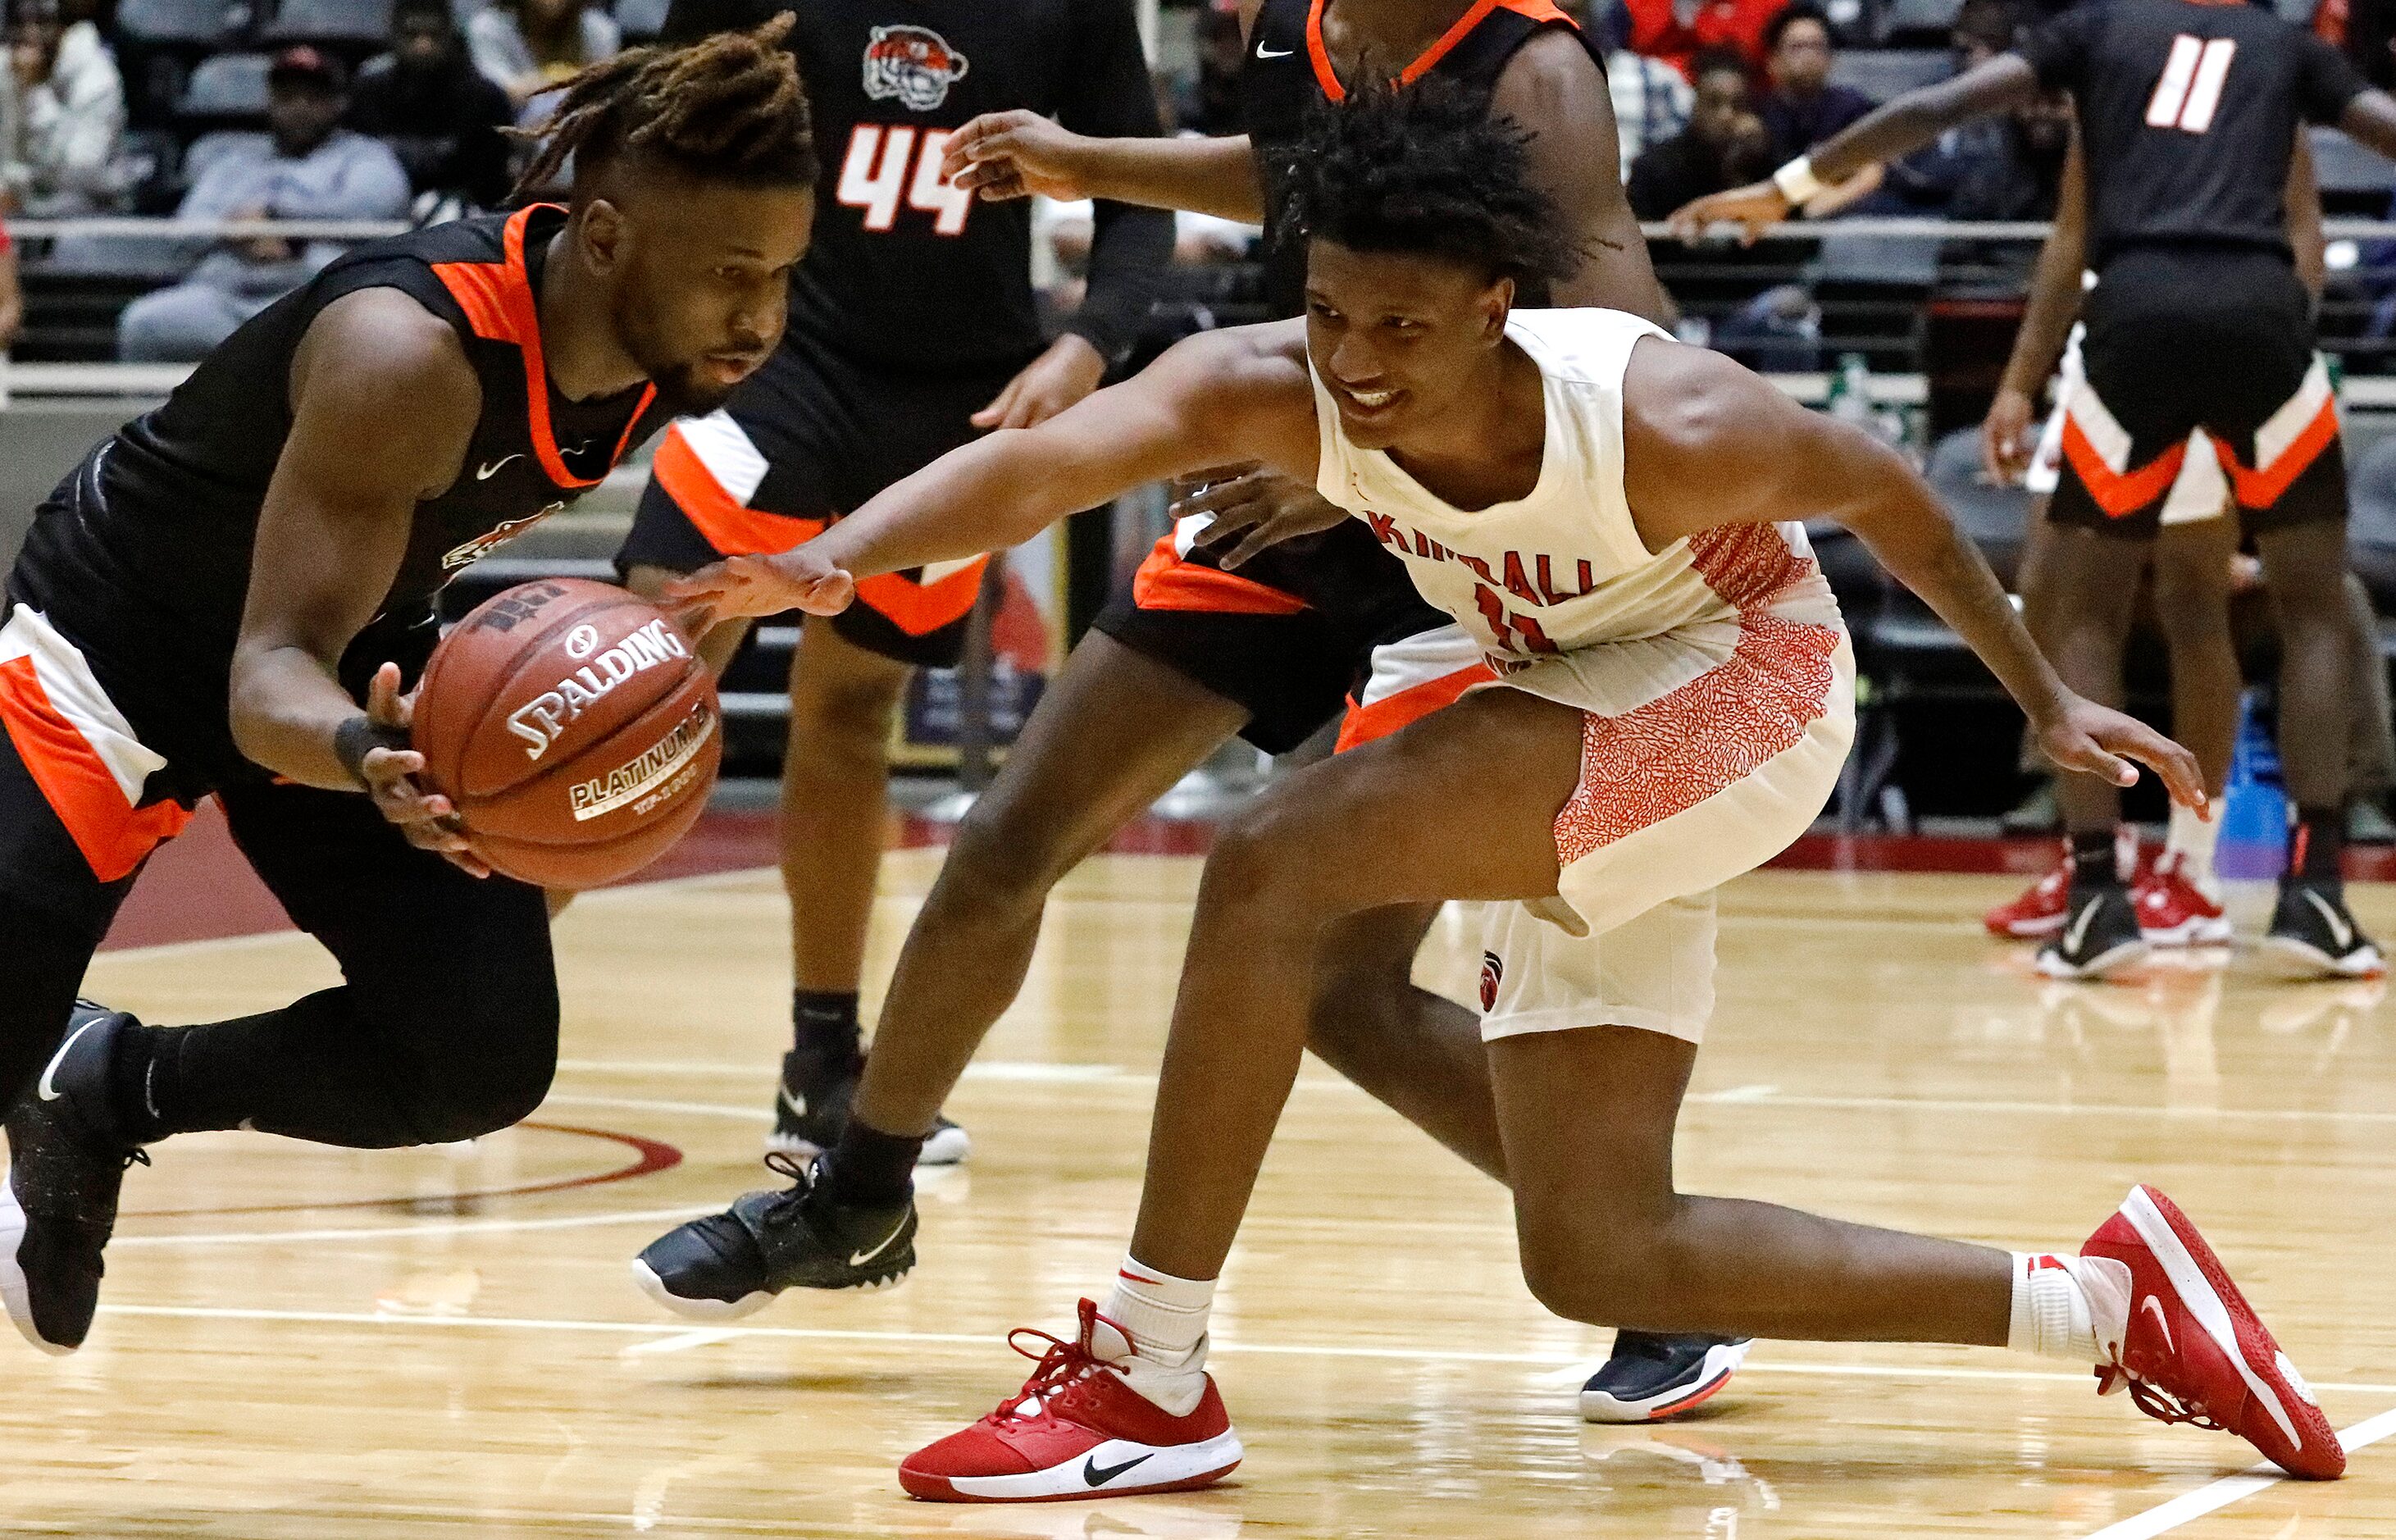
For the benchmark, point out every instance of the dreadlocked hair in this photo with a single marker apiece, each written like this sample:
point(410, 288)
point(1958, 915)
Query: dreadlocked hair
point(727, 108)
point(1426, 169)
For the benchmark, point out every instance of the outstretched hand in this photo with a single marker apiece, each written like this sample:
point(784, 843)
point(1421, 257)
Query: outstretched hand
point(1254, 510)
point(751, 586)
point(427, 818)
point(1014, 154)
point(1753, 208)
point(2098, 741)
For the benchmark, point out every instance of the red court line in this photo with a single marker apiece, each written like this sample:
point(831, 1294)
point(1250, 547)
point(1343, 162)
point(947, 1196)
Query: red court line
point(649, 1157)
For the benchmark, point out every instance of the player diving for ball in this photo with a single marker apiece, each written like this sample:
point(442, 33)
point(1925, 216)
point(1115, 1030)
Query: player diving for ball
point(1212, 638)
point(200, 606)
point(1616, 517)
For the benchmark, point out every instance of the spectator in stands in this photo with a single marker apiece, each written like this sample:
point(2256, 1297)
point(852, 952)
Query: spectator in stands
point(526, 47)
point(442, 116)
point(1678, 30)
point(2006, 167)
point(308, 167)
point(1803, 108)
point(1724, 144)
point(1652, 102)
point(61, 116)
point(12, 294)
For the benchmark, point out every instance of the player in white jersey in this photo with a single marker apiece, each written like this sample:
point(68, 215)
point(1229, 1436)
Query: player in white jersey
point(1614, 516)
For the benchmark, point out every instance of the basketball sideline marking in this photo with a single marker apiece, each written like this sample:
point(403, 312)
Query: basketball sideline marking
point(2195, 1505)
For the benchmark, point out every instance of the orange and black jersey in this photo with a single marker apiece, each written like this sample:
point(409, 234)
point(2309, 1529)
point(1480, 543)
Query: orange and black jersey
point(142, 556)
point(1288, 74)
point(906, 272)
point(2189, 110)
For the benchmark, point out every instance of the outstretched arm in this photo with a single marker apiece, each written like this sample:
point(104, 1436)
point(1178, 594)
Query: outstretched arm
point(1218, 398)
point(2006, 440)
point(1707, 443)
point(1889, 132)
point(1017, 154)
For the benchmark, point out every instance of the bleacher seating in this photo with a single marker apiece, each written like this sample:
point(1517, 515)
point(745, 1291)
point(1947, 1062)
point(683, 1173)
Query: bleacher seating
point(1881, 73)
point(352, 27)
point(1915, 22)
point(227, 87)
point(2347, 170)
point(641, 21)
point(197, 24)
point(2371, 524)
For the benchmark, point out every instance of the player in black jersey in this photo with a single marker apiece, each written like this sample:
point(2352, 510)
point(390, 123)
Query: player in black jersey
point(912, 330)
point(203, 604)
point(1195, 653)
point(2189, 112)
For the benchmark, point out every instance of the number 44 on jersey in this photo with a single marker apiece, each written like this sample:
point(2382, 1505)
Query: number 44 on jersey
point(885, 163)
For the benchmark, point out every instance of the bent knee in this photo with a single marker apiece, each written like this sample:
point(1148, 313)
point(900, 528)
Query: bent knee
point(1001, 857)
point(1607, 1264)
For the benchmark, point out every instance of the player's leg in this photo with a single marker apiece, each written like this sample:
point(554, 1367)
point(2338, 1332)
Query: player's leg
point(444, 1026)
point(2180, 898)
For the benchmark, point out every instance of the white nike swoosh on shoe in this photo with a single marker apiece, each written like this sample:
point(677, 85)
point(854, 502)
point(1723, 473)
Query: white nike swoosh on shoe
point(798, 1105)
point(2077, 932)
point(859, 1259)
point(48, 1088)
point(2154, 1307)
point(2339, 927)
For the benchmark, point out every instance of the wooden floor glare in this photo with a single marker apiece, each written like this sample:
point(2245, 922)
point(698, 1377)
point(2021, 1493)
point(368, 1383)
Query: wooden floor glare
point(299, 1343)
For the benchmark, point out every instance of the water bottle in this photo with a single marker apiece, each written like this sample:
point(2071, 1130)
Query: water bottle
point(2255, 807)
point(1850, 398)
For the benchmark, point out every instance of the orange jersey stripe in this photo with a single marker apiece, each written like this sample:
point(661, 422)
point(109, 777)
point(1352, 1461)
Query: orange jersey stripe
point(2120, 493)
point(1165, 581)
point(1363, 724)
point(731, 527)
point(2267, 484)
point(1428, 61)
point(115, 838)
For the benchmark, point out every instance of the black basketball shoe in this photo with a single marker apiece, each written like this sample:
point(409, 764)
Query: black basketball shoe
point(811, 1108)
point(2100, 933)
point(2313, 936)
point(66, 1162)
point(729, 1264)
point(1652, 1378)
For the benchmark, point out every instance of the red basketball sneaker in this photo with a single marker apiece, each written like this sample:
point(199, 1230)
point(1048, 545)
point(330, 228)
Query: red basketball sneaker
point(2174, 911)
point(1076, 1429)
point(2038, 913)
point(2194, 1353)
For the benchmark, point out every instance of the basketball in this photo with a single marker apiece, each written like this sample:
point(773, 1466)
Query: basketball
point(574, 729)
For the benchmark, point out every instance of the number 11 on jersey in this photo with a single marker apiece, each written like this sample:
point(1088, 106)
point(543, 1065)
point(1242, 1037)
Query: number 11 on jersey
point(2190, 92)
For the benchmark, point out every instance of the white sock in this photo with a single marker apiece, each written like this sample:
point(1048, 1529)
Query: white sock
point(2192, 839)
point(2069, 1306)
point(1163, 1322)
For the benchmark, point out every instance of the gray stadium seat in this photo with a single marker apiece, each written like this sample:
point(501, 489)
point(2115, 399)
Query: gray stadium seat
point(189, 21)
point(2343, 165)
point(1917, 15)
point(641, 20)
point(2371, 526)
point(358, 21)
point(1881, 73)
point(226, 85)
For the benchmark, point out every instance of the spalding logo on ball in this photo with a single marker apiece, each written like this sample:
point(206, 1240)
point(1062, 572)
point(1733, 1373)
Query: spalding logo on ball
point(573, 729)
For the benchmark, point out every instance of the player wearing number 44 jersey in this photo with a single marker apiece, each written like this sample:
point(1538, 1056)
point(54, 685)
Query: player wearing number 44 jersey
point(203, 604)
point(1677, 715)
point(2189, 112)
point(912, 330)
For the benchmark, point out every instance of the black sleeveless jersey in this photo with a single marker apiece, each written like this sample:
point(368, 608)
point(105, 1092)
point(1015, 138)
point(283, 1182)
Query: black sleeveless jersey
point(142, 558)
point(1288, 74)
point(2189, 110)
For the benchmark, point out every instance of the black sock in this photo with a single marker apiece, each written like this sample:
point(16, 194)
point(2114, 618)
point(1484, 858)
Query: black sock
point(2092, 862)
point(870, 1167)
point(132, 1084)
point(824, 1025)
point(2320, 840)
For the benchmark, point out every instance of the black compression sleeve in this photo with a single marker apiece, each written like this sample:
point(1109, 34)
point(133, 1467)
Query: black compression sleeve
point(1112, 97)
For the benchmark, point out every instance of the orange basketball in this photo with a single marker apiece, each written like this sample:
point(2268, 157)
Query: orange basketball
point(574, 729)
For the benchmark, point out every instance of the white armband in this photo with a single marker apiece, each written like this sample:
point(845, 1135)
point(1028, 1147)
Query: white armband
point(1797, 181)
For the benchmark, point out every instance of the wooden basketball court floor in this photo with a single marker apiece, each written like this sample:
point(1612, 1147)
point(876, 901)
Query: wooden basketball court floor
point(303, 1343)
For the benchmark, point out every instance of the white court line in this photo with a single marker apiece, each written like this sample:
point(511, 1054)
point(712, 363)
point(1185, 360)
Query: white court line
point(2229, 1489)
point(827, 1334)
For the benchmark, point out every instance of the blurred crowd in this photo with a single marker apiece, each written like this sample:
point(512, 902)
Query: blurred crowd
point(385, 110)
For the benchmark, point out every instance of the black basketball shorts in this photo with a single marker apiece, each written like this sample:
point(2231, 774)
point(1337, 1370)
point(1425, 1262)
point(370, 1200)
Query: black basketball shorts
point(2180, 340)
point(812, 436)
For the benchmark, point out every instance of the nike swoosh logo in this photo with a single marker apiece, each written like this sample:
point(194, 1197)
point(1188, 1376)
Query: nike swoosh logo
point(798, 1105)
point(487, 471)
point(1097, 1475)
point(2335, 921)
point(1262, 52)
point(2080, 924)
point(859, 1259)
point(2163, 1324)
point(48, 1088)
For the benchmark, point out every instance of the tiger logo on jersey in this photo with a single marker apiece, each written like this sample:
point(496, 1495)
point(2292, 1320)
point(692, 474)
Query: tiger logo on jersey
point(912, 65)
point(484, 544)
point(1492, 972)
